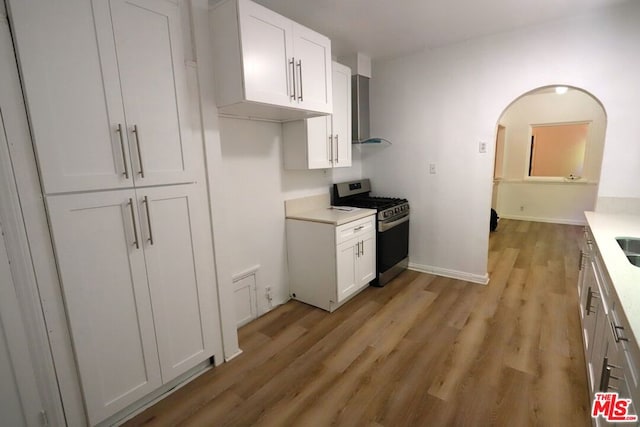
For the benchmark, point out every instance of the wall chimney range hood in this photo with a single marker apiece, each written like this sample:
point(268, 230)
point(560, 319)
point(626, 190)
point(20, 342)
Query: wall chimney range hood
point(360, 133)
point(360, 65)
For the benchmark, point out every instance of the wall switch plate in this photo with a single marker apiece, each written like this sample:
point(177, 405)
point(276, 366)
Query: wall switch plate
point(432, 168)
point(482, 147)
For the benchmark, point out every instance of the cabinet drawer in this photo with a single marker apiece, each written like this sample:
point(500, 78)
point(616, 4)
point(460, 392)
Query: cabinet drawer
point(354, 229)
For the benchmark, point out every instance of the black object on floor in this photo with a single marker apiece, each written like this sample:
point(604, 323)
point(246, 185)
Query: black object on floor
point(493, 224)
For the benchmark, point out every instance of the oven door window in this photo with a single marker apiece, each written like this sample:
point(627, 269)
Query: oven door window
point(393, 246)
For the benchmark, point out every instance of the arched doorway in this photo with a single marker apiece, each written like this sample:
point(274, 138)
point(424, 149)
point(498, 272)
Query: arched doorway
point(549, 148)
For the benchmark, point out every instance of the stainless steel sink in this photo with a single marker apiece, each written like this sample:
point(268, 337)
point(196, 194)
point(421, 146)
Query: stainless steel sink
point(629, 245)
point(634, 259)
point(631, 248)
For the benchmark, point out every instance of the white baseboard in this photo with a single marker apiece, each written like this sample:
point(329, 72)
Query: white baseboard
point(454, 274)
point(550, 220)
point(233, 356)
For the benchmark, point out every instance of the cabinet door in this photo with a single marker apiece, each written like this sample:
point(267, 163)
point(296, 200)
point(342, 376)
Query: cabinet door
point(312, 52)
point(20, 399)
point(347, 269)
point(367, 260)
point(149, 47)
point(266, 54)
point(106, 295)
point(597, 347)
point(319, 143)
point(341, 118)
point(72, 94)
point(589, 305)
point(179, 255)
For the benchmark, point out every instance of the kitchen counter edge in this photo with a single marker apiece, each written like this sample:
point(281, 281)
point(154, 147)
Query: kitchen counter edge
point(625, 277)
point(333, 216)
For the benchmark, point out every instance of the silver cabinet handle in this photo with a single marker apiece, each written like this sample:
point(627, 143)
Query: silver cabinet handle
point(293, 79)
point(605, 375)
point(616, 335)
point(358, 228)
point(358, 250)
point(331, 148)
point(146, 206)
point(590, 296)
point(362, 247)
point(137, 134)
point(301, 96)
point(337, 149)
point(581, 260)
point(136, 243)
point(124, 157)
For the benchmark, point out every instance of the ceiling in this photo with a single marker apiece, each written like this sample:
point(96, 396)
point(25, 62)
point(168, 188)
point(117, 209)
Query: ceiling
point(388, 28)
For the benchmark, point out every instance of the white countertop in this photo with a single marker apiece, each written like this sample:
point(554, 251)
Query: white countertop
point(625, 277)
point(333, 215)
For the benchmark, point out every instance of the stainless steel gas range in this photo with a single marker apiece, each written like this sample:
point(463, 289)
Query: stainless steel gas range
point(392, 243)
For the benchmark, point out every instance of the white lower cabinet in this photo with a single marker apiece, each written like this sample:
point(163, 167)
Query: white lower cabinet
point(179, 261)
point(328, 264)
point(137, 276)
point(610, 352)
point(355, 265)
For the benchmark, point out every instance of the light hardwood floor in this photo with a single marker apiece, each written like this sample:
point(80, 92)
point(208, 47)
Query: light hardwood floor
point(422, 351)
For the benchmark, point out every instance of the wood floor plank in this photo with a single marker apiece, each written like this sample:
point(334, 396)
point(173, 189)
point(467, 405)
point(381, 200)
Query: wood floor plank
point(422, 351)
point(512, 406)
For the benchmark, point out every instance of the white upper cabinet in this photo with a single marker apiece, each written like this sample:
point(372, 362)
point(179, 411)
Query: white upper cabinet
point(148, 41)
point(123, 65)
point(308, 144)
point(74, 125)
point(267, 65)
point(267, 49)
point(323, 142)
point(341, 118)
point(312, 60)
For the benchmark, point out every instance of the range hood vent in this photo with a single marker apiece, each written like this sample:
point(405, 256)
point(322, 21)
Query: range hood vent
point(360, 133)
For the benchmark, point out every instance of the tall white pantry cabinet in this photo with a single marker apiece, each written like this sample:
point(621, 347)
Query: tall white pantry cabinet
point(105, 85)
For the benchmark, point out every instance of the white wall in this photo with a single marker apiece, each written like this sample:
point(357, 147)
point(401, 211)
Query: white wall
point(436, 105)
point(556, 202)
point(561, 202)
point(244, 168)
point(257, 186)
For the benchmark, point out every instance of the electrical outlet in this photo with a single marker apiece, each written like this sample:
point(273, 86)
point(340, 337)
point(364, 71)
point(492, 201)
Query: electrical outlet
point(267, 292)
point(432, 168)
point(482, 147)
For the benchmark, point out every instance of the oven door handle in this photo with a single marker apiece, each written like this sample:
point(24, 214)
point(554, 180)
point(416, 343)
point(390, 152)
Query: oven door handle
point(384, 226)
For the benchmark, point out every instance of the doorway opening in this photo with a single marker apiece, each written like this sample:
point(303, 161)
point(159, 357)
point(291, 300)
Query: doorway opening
point(548, 156)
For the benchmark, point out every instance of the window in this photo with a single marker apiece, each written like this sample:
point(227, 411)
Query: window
point(558, 150)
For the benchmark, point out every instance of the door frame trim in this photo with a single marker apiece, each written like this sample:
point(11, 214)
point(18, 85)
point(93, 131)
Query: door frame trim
point(29, 248)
